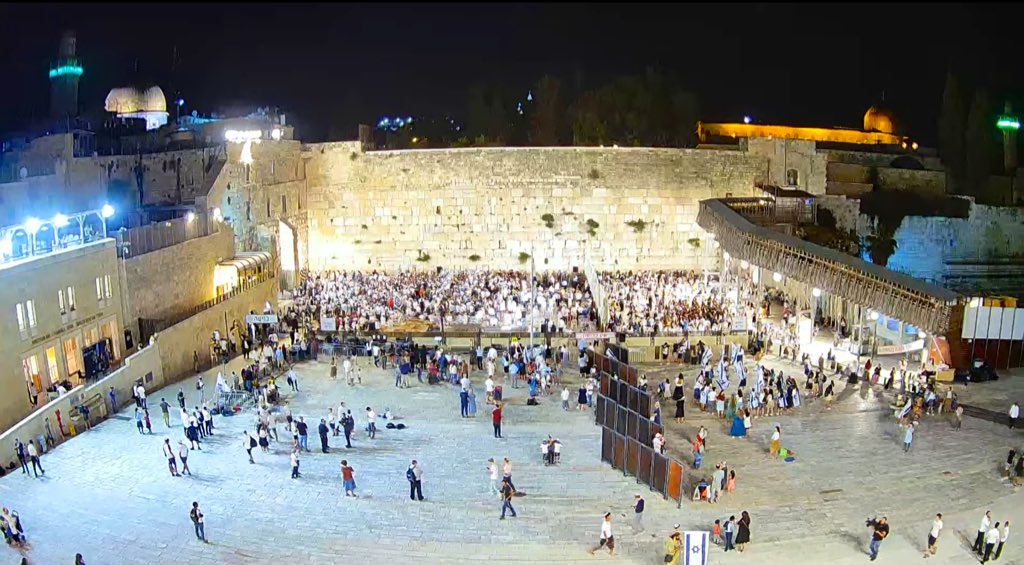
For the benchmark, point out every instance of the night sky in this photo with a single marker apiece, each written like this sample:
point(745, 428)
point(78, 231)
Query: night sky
point(329, 65)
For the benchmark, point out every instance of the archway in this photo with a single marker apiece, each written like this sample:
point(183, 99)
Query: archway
point(288, 252)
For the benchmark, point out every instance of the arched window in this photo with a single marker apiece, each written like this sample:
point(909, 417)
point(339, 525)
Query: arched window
point(792, 177)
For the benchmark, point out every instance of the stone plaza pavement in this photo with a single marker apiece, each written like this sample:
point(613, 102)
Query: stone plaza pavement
point(108, 495)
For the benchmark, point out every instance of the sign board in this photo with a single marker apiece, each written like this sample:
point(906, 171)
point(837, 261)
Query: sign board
point(595, 335)
point(261, 319)
point(904, 348)
point(328, 323)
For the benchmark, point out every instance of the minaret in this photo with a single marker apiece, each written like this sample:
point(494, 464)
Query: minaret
point(1006, 124)
point(64, 75)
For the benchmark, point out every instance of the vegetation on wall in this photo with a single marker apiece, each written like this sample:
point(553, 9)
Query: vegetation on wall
point(549, 220)
point(693, 241)
point(637, 225)
point(474, 257)
point(594, 174)
point(592, 227)
point(423, 257)
point(523, 257)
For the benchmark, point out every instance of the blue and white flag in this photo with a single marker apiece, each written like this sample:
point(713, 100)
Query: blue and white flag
point(741, 373)
point(706, 357)
point(696, 547)
point(723, 377)
point(906, 409)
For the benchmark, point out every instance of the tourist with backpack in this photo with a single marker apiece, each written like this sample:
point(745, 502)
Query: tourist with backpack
point(196, 515)
point(414, 474)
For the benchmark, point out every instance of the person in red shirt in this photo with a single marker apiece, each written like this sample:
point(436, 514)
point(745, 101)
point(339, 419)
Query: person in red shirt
point(347, 478)
point(496, 419)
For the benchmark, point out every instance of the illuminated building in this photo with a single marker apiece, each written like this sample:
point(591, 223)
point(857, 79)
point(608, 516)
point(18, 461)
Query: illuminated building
point(879, 129)
point(131, 102)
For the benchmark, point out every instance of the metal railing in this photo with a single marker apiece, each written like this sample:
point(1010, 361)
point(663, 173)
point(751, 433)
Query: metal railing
point(133, 242)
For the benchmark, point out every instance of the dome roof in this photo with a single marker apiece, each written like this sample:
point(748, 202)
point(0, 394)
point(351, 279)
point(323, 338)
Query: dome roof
point(129, 99)
point(879, 118)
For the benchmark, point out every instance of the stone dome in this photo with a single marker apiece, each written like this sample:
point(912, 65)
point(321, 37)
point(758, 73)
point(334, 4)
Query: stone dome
point(130, 99)
point(879, 119)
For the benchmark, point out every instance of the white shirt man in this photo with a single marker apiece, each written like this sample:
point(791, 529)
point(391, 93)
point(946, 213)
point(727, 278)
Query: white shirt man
point(184, 418)
point(489, 385)
point(992, 537)
point(32, 450)
point(168, 450)
point(492, 354)
point(140, 393)
point(606, 527)
point(347, 366)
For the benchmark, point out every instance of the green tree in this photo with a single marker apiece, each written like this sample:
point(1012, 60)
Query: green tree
point(546, 112)
point(479, 113)
point(951, 132)
point(979, 143)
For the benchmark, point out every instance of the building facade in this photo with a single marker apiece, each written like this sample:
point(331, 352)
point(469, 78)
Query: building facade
point(63, 322)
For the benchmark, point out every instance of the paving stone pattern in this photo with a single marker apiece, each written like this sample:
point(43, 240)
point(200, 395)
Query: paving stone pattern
point(108, 495)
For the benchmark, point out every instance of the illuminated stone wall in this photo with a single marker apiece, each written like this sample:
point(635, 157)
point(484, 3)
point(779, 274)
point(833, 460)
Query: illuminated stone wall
point(388, 209)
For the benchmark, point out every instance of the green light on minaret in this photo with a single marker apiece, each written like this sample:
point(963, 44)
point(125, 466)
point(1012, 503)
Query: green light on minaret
point(73, 70)
point(1008, 123)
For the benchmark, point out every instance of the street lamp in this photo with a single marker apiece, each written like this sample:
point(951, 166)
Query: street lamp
point(105, 213)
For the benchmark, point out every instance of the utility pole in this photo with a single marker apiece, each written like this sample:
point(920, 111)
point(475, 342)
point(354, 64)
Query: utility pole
point(533, 294)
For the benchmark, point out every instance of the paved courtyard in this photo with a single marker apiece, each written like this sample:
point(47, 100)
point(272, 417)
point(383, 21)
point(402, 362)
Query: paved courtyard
point(108, 495)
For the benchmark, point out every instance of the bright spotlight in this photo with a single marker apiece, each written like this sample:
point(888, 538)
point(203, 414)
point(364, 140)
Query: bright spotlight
point(725, 255)
point(32, 225)
point(873, 315)
point(776, 277)
point(60, 220)
point(217, 215)
point(744, 265)
point(746, 119)
point(107, 211)
point(921, 334)
point(275, 134)
point(190, 217)
point(816, 292)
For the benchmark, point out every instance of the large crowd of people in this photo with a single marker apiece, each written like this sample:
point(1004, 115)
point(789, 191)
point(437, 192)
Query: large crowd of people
point(665, 302)
point(371, 301)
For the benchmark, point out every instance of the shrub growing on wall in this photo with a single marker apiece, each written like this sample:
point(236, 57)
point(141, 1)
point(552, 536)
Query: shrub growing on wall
point(637, 225)
point(523, 257)
point(592, 227)
point(549, 220)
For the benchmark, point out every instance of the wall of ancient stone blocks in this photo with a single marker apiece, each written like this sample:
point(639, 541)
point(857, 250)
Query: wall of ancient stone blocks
point(394, 209)
point(168, 281)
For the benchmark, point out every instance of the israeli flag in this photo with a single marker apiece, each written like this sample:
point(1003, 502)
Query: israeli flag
point(706, 358)
point(723, 379)
point(906, 409)
point(695, 548)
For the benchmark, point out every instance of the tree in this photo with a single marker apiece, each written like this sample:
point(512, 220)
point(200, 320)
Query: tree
point(479, 113)
point(979, 146)
point(546, 112)
point(951, 132)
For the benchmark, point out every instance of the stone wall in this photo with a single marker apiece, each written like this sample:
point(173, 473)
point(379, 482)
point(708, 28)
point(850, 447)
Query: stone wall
point(168, 281)
point(888, 178)
point(178, 342)
point(846, 211)
point(144, 364)
point(790, 154)
point(387, 209)
point(169, 177)
point(980, 255)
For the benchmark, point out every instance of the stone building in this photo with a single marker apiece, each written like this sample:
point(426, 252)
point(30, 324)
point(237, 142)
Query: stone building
point(60, 309)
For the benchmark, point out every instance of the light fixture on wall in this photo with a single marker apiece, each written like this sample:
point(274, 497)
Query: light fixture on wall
point(816, 292)
point(776, 277)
